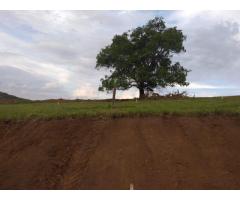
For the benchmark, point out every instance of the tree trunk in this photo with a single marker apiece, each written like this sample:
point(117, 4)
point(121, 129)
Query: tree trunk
point(141, 93)
point(114, 95)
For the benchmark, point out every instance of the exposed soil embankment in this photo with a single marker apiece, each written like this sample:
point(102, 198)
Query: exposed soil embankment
point(150, 153)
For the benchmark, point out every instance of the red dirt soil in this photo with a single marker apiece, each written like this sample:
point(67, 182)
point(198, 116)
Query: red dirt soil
point(150, 153)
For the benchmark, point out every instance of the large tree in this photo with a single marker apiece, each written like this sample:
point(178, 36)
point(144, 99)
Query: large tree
point(142, 58)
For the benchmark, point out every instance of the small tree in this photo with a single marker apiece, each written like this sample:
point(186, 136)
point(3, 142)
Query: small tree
point(142, 58)
point(112, 83)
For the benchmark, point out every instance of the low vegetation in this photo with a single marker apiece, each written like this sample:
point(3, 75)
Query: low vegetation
point(63, 109)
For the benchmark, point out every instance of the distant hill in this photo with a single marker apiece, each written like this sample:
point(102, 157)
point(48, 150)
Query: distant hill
point(4, 97)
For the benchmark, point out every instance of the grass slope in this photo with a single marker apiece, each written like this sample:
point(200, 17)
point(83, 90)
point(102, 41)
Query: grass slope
point(188, 106)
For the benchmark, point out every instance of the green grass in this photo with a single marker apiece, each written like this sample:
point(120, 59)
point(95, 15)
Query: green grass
point(188, 106)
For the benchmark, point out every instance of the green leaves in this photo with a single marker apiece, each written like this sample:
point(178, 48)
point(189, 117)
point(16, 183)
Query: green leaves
point(108, 83)
point(142, 58)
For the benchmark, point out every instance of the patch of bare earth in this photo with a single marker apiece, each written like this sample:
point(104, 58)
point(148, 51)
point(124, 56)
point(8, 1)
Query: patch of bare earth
point(150, 153)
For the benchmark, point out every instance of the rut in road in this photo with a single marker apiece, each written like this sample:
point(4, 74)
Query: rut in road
point(108, 158)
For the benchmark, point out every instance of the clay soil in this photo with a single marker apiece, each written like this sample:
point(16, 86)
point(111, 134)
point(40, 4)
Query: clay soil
point(149, 153)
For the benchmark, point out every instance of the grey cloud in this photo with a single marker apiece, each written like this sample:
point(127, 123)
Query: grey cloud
point(212, 52)
point(64, 40)
point(28, 85)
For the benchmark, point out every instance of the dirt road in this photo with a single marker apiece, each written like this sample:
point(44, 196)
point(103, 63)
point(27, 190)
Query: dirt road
point(149, 153)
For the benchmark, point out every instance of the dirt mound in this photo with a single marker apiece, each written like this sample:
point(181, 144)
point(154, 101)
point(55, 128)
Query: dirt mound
point(149, 153)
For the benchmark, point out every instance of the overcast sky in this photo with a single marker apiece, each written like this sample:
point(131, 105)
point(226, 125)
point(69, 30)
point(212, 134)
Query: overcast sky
point(52, 54)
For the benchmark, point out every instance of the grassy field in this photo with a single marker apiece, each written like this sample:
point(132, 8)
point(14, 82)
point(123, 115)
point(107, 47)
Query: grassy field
point(188, 106)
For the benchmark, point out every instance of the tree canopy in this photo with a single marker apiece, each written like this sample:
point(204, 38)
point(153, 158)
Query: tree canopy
point(142, 58)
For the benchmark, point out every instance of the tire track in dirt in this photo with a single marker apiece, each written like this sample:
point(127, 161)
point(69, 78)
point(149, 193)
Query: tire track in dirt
point(83, 147)
point(36, 154)
point(213, 155)
point(120, 158)
point(144, 156)
point(108, 165)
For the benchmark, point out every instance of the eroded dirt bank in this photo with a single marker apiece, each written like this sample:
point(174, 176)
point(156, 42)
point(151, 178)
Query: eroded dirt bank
point(150, 153)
